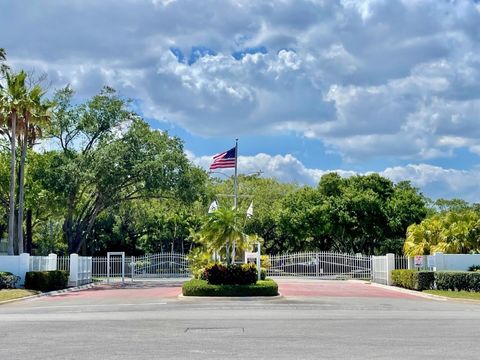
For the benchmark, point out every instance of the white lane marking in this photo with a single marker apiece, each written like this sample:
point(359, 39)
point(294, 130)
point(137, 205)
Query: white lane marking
point(94, 305)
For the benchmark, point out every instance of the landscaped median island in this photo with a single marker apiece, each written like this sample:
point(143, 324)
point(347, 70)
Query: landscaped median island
point(198, 287)
point(455, 284)
point(230, 280)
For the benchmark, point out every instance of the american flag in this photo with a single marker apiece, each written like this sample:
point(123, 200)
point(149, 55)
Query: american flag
point(226, 159)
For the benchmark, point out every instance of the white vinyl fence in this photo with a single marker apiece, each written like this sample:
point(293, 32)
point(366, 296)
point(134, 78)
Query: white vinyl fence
point(80, 270)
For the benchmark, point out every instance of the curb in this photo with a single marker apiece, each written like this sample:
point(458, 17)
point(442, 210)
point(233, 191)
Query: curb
point(412, 292)
point(50, 293)
point(276, 297)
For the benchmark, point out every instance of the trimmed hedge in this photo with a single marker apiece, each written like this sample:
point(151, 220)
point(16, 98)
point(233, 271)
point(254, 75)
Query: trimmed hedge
point(46, 280)
point(233, 274)
point(8, 280)
point(458, 280)
point(440, 280)
point(196, 287)
point(413, 279)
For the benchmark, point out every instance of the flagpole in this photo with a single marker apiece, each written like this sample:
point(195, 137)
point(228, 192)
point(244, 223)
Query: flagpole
point(235, 177)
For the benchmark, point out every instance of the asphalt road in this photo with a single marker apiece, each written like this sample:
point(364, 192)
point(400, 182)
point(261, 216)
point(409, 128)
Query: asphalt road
point(150, 322)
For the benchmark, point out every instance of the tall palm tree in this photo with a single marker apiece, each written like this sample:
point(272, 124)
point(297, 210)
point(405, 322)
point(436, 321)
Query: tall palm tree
point(3, 66)
point(35, 116)
point(12, 102)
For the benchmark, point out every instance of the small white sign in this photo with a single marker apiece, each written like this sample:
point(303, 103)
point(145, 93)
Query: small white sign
point(418, 261)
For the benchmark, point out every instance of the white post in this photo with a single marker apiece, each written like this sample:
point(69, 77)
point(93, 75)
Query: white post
point(73, 277)
point(411, 263)
point(390, 267)
point(439, 261)
point(23, 266)
point(52, 262)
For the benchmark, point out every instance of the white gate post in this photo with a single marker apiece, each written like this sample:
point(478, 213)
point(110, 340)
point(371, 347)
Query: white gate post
point(52, 262)
point(73, 277)
point(390, 267)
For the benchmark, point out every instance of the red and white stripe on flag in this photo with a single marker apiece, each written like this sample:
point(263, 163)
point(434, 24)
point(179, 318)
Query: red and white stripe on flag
point(224, 160)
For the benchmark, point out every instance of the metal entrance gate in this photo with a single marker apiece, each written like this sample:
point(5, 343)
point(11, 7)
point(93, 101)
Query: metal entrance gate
point(163, 265)
point(325, 265)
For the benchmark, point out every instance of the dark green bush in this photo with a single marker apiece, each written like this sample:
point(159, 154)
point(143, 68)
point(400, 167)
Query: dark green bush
point(263, 273)
point(413, 279)
point(474, 268)
point(458, 280)
point(8, 280)
point(219, 274)
point(425, 280)
point(197, 287)
point(46, 280)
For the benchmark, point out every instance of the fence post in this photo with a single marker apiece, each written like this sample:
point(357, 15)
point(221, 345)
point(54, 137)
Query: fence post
point(52, 262)
point(73, 277)
point(439, 261)
point(23, 266)
point(411, 263)
point(390, 267)
point(132, 265)
point(317, 265)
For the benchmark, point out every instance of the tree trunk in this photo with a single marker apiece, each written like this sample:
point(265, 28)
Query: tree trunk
point(11, 217)
point(29, 228)
point(21, 193)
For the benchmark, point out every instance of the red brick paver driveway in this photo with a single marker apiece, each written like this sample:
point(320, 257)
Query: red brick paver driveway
point(335, 288)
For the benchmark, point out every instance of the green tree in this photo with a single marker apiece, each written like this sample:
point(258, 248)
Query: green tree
point(110, 156)
point(34, 118)
point(13, 97)
point(3, 57)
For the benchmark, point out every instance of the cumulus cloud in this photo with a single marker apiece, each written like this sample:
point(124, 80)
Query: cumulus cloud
point(366, 78)
point(434, 181)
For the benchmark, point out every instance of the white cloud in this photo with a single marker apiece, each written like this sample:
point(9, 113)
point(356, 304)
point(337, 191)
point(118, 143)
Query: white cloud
point(433, 181)
point(371, 78)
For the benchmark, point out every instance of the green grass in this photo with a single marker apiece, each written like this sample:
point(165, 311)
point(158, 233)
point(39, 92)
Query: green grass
point(455, 294)
point(9, 294)
point(197, 287)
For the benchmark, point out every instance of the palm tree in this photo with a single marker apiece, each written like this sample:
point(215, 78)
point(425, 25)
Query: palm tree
point(3, 57)
point(12, 101)
point(223, 231)
point(35, 116)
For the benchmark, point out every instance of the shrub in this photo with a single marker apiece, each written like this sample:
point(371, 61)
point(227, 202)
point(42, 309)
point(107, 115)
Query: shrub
point(197, 287)
point(475, 268)
point(413, 279)
point(265, 261)
point(263, 273)
point(8, 280)
point(46, 280)
point(425, 280)
point(244, 274)
point(458, 280)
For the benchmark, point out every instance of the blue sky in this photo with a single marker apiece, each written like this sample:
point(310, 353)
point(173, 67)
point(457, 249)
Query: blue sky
point(308, 86)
